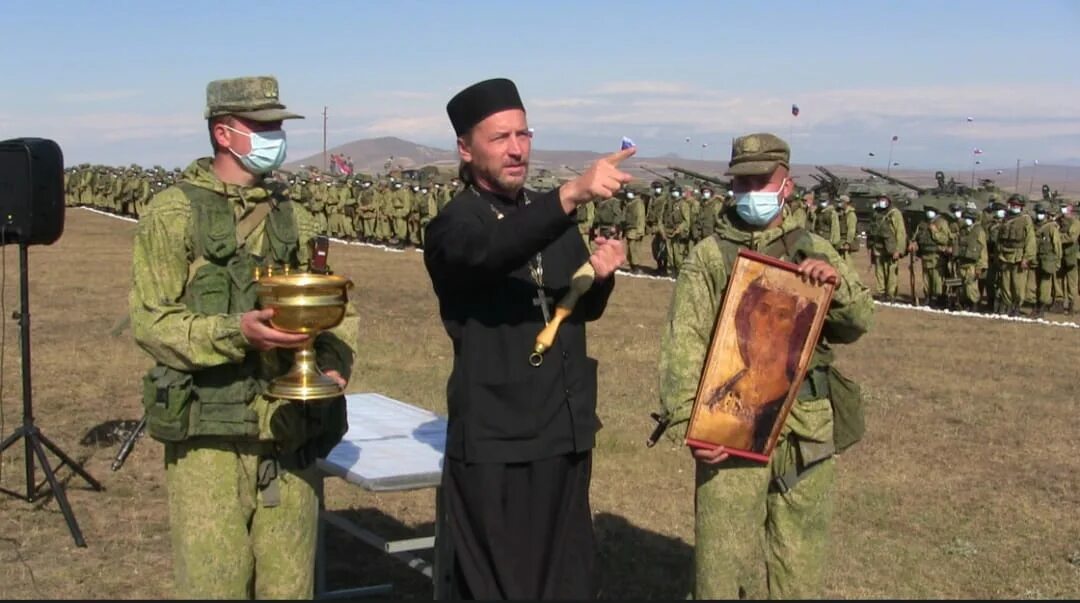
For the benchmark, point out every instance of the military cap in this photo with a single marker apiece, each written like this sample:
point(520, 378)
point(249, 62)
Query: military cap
point(955, 206)
point(656, 184)
point(1017, 198)
point(254, 98)
point(971, 214)
point(757, 155)
point(845, 198)
point(929, 207)
point(1041, 208)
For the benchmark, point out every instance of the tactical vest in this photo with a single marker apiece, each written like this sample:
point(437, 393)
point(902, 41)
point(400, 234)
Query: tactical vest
point(878, 230)
point(673, 214)
point(1046, 255)
point(1011, 235)
point(925, 239)
point(607, 212)
point(215, 401)
point(1069, 249)
point(968, 246)
point(822, 379)
point(851, 238)
point(823, 223)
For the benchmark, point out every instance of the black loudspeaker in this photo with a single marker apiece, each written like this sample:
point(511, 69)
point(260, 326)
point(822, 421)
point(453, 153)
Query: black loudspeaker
point(31, 191)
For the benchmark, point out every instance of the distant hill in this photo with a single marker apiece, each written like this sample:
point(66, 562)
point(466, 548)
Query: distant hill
point(371, 155)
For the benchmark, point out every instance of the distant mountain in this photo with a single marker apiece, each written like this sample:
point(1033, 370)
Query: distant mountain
point(371, 155)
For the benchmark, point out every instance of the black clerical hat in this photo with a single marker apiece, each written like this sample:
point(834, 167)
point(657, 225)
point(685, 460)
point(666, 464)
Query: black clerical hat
point(470, 106)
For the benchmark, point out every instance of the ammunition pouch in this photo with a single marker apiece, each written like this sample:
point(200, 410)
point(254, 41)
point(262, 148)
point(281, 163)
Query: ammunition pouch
point(849, 422)
point(167, 395)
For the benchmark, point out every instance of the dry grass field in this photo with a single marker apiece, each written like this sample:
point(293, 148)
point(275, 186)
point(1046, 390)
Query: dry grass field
point(965, 486)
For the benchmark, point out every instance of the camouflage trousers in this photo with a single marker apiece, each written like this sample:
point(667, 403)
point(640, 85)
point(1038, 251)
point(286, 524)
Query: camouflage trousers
point(1045, 287)
point(1066, 286)
point(886, 276)
point(637, 251)
point(755, 542)
point(933, 272)
point(227, 542)
point(1012, 285)
point(970, 277)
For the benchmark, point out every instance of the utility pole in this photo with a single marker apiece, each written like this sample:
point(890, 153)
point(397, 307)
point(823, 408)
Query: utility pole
point(1016, 184)
point(324, 138)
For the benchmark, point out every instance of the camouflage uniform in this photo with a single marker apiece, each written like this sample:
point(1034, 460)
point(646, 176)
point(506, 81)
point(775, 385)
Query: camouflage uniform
point(932, 241)
point(236, 531)
point(1067, 276)
point(849, 230)
point(972, 259)
point(887, 240)
point(1047, 258)
point(752, 538)
point(1016, 254)
point(634, 228)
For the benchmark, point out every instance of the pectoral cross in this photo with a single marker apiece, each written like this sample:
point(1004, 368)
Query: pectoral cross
point(544, 302)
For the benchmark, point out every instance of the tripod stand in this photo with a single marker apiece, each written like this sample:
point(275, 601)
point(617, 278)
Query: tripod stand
point(34, 440)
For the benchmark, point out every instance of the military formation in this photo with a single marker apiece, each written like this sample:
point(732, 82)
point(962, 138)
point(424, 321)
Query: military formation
point(1000, 259)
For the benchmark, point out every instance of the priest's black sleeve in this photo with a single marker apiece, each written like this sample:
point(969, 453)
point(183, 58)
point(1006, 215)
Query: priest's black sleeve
point(463, 239)
point(594, 301)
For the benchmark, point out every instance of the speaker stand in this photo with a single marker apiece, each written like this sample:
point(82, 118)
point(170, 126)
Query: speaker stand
point(35, 441)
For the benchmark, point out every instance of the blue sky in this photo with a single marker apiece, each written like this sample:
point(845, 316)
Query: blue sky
point(124, 81)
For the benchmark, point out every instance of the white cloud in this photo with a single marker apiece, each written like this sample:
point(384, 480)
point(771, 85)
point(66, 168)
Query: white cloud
point(641, 87)
point(96, 96)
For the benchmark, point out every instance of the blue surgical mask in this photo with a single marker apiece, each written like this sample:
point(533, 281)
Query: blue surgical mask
point(758, 208)
point(267, 151)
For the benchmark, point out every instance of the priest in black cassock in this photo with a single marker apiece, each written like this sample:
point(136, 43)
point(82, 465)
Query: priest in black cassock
point(519, 445)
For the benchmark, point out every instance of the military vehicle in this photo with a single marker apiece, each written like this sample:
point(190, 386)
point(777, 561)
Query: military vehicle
point(862, 192)
point(718, 185)
point(543, 179)
point(940, 197)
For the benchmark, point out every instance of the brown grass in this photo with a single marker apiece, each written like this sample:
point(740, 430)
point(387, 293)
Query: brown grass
point(965, 486)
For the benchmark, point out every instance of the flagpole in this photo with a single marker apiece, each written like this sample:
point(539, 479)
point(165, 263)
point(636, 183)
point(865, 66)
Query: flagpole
point(1016, 184)
point(888, 167)
point(324, 138)
point(1031, 182)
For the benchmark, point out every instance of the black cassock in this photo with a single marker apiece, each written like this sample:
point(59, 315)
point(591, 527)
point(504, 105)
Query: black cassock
point(519, 441)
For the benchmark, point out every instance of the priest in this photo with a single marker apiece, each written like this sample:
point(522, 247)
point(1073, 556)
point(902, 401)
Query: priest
point(521, 427)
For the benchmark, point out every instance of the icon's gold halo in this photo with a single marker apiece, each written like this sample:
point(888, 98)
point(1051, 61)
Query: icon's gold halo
point(309, 303)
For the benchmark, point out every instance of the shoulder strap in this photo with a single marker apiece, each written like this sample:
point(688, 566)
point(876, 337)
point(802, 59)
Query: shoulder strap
point(244, 228)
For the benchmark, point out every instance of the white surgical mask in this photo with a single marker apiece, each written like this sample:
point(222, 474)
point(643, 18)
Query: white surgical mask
point(676, 194)
point(658, 190)
point(969, 221)
point(706, 195)
point(931, 214)
point(629, 195)
point(1014, 210)
point(1000, 213)
point(1040, 217)
point(958, 214)
point(267, 151)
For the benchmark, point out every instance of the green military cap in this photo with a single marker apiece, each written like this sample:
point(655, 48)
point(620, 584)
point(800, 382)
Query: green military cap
point(254, 98)
point(1017, 199)
point(845, 198)
point(757, 155)
point(1040, 208)
point(971, 214)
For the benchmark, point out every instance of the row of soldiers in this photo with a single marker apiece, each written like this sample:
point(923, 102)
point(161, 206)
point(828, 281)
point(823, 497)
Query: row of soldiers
point(389, 210)
point(995, 260)
point(661, 223)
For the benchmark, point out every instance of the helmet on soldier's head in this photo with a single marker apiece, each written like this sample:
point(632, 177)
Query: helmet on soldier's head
point(955, 207)
point(656, 184)
point(971, 214)
point(1017, 199)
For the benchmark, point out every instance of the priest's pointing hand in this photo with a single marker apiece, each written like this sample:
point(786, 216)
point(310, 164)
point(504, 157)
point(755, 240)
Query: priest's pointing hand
point(601, 181)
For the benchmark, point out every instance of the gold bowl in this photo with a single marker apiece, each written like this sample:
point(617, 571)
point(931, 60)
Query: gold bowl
point(308, 303)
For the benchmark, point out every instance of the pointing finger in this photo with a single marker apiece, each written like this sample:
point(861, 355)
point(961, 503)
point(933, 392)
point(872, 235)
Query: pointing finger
point(617, 158)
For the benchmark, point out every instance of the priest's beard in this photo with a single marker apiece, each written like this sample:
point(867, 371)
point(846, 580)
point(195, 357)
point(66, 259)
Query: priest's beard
point(500, 178)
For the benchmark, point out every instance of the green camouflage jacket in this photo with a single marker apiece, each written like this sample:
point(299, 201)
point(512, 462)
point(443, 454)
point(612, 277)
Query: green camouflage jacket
point(695, 304)
point(178, 338)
